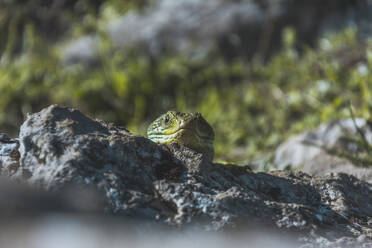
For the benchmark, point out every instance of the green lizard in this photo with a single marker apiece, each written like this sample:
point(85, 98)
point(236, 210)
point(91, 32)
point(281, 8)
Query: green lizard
point(188, 129)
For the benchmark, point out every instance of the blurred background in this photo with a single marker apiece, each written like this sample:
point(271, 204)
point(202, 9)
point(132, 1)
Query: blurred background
point(259, 71)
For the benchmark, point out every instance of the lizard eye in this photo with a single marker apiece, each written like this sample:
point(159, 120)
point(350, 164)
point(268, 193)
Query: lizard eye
point(166, 119)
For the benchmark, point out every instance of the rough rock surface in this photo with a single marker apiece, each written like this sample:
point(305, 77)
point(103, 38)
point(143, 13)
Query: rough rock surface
point(235, 28)
point(314, 152)
point(61, 148)
point(9, 155)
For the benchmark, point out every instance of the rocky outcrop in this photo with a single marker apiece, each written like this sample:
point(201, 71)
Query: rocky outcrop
point(333, 147)
point(234, 28)
point(60, 148)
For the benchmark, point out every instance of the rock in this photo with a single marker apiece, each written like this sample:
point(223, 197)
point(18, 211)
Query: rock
point(19, 201)
point(9, 155)
point(172, 185)
point(190, 27)
point(234, 28)
point(320, 151)
point(75, 231)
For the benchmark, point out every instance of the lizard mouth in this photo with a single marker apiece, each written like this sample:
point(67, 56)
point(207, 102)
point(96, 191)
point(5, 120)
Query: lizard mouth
point(181, 132)
point(194, 132)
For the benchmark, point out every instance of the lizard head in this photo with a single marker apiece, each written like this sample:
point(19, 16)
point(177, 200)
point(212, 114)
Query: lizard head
point(188, 129)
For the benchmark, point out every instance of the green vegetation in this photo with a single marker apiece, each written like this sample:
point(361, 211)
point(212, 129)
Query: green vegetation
point(251, 106)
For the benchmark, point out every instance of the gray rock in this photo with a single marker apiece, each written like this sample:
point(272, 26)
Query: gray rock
point(19, 201)
point(321, 151)
point(77, 232)
point(9, 155)
point(171, 184)
point(234, 28)
point(84, 49)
